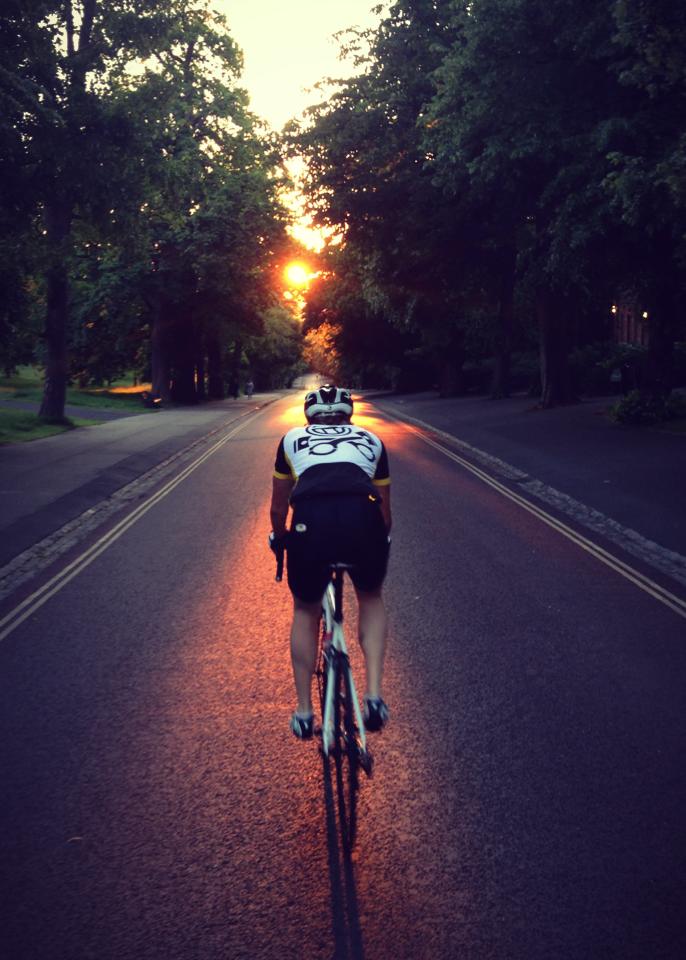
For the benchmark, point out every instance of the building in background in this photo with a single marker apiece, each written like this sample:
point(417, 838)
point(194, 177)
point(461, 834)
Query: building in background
point(630, 324)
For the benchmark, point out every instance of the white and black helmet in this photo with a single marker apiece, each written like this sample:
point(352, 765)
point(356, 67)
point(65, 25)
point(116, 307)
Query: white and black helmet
point(328, 402)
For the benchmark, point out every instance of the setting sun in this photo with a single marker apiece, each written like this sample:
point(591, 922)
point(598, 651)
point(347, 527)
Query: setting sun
point(297, 274)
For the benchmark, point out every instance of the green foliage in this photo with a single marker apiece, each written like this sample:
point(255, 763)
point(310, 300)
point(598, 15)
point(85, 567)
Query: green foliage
point(370, 349)
point(499, 158)
point(604, 367)
point(99, 399)
point(639, 408)
point(18, 427)
point(274, 359)
point(495, 168)
point(137, 179)
point(368, 176)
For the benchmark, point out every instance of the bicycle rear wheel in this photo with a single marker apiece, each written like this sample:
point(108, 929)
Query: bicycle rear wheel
point(326, 677)
point(349, 779)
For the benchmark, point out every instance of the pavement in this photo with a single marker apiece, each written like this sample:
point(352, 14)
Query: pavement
point(48, 483)
point(635, 476)
point(630, 477)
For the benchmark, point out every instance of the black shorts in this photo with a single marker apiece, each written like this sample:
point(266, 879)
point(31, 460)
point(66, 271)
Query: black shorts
point(336, 529)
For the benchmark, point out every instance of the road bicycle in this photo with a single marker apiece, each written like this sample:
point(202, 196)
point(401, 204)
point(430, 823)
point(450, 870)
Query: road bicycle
point(342, 731)
point(342, 721)
point(342, 726)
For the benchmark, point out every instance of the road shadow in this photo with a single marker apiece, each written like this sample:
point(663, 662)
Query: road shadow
point(340, 804)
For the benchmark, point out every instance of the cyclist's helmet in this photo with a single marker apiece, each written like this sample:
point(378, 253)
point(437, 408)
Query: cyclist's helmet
point(328, 404)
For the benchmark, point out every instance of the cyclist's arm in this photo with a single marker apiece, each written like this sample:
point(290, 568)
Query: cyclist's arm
point(382, 483)
point(281, 491)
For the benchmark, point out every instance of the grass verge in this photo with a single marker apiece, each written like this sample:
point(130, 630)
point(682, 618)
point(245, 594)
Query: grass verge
point(105, 399)
point(18, 426)
point(27, 384)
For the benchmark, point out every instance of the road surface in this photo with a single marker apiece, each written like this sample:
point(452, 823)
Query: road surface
point(529, 794)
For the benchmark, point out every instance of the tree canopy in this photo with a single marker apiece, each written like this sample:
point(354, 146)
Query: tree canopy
point(144, 216)
point(497, 173)
point(504, 169)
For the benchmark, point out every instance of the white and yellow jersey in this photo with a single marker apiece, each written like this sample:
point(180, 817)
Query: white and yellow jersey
point(331, 458)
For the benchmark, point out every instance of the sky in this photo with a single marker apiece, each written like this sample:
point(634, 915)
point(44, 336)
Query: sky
point(288, 47)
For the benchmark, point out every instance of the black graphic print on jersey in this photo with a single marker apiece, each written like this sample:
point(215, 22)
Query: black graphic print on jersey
point(321, 441)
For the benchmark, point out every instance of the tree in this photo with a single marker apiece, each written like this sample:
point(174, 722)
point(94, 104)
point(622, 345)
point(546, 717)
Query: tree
point(71, 133)
point(370, 351)
point(275, 357)
point(489, 154)
point(320, 353)
point(369, 178)
point(152, 201)
point(647, 176)
point(523, 100)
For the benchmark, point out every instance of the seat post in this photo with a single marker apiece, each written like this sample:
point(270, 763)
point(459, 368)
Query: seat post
point(338, 595)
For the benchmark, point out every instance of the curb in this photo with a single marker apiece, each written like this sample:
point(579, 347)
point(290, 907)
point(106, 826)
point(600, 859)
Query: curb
point(667, 561)
point(30, 562)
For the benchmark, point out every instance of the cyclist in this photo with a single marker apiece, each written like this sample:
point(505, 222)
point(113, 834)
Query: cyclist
point(335, 477)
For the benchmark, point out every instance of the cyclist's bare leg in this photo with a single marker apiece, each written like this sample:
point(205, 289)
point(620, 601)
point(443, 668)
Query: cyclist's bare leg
point(373, 624)
point(304, 651)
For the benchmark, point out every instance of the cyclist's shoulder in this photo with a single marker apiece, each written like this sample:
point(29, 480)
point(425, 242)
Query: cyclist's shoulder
point(323, 431)
point(294, 432)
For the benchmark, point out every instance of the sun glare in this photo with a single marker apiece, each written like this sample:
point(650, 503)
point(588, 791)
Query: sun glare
point(297, 274)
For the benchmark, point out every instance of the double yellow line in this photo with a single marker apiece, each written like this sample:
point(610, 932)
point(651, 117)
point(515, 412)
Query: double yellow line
point(619, 566)
point(33, 603)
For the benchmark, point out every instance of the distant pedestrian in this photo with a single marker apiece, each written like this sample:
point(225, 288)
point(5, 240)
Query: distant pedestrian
point(249, 387)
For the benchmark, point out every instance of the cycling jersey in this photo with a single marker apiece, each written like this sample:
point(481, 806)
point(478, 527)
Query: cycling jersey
point(327, 459)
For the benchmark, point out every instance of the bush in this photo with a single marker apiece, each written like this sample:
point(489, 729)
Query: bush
point(591, 368)
point(604, 367)
point(639, 408)
point(525, 373)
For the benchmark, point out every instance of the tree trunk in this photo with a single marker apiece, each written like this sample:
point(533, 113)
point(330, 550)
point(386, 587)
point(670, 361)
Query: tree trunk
point(58, 217)
point(215, 378)
point(662, 321)
point(183, 381)
point(500, 385)
point(659, 371)
point(200, 391)
point(447, 378)
point(159, 353)
point(556, 381)
point(183, 373)
point(234, 378)
point(450, 362)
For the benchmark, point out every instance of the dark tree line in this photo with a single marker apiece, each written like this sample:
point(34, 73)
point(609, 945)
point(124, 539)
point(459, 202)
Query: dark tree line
point(140, 213)
point(501, 172)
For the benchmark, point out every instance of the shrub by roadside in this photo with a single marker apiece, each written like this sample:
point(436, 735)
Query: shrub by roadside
point(638, 408)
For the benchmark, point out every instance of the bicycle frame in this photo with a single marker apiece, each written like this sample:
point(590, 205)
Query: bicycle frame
point(335, 657)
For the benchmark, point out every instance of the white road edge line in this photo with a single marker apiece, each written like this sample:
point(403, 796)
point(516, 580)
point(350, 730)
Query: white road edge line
point(619, 566)
point(668, 562)
point(32, 603)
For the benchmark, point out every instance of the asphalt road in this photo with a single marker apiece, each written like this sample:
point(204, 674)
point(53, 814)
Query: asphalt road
point(528, 795)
